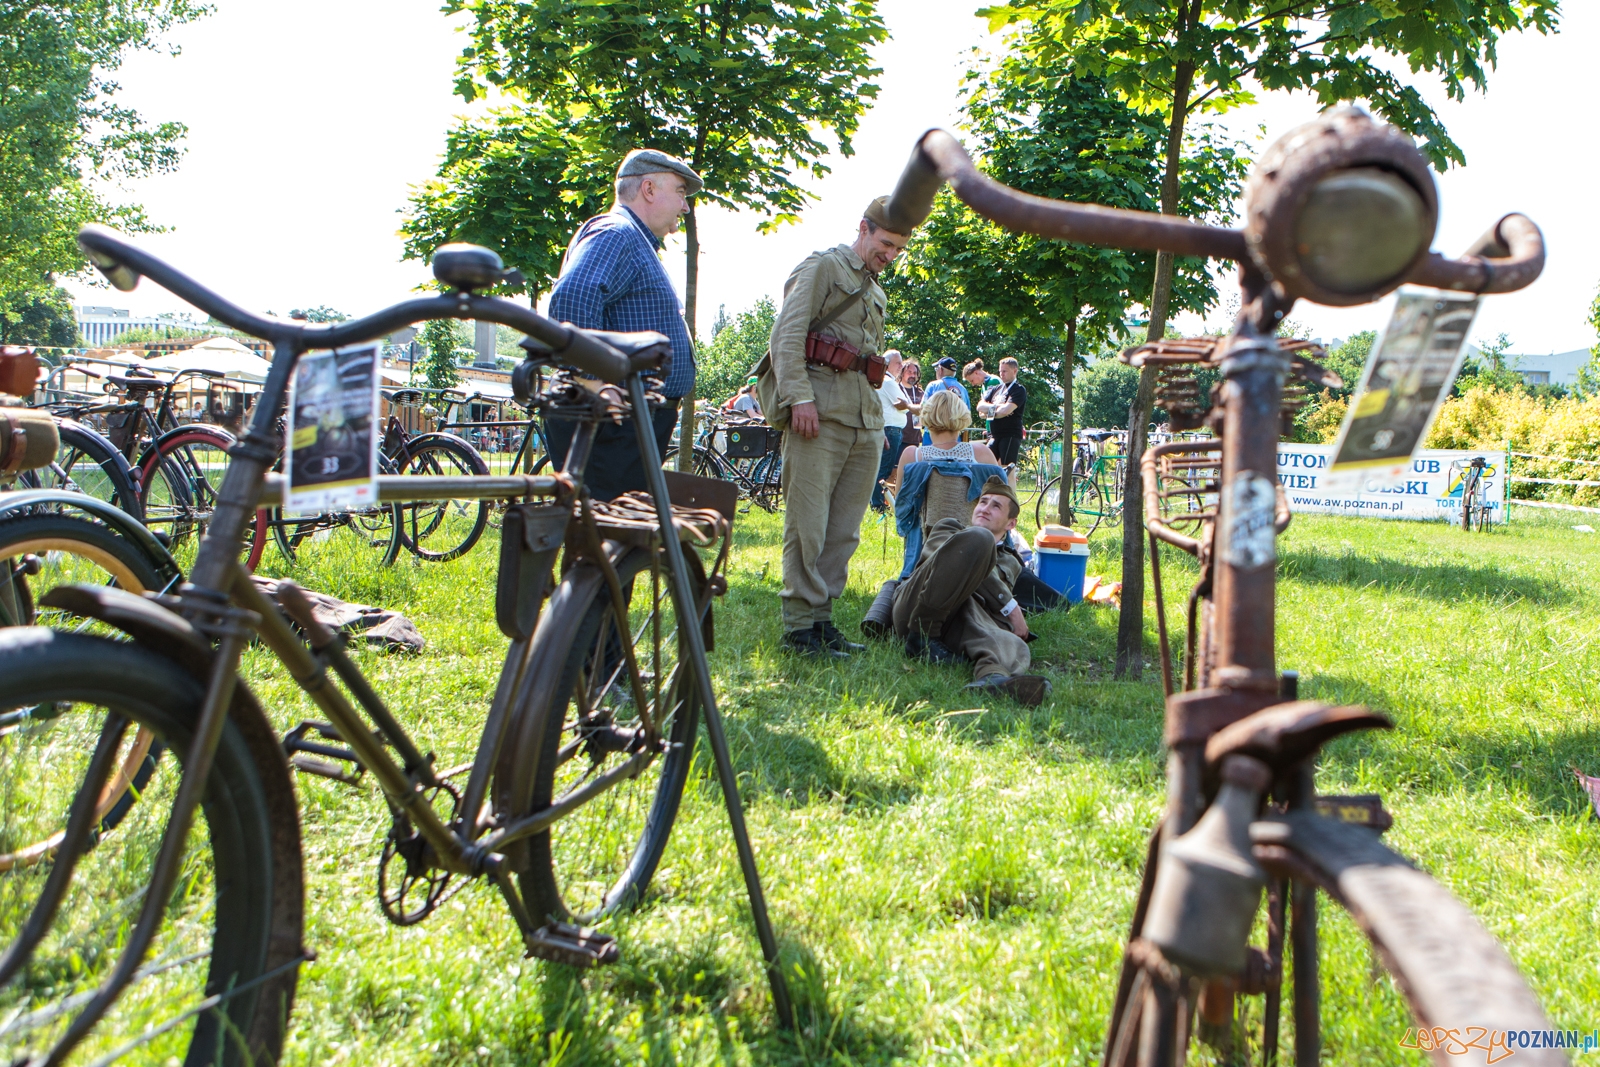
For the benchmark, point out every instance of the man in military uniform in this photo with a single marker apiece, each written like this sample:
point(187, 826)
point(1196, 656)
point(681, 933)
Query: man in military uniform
point(959, 603)
point(822, 378)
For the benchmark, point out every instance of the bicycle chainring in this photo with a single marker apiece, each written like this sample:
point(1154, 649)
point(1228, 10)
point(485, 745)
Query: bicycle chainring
point(412, 891)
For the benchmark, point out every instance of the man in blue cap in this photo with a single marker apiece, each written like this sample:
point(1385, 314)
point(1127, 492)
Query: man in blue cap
point(612, 278)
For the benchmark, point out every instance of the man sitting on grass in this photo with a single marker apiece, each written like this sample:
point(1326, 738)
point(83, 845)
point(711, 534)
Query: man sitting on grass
point(958, 601)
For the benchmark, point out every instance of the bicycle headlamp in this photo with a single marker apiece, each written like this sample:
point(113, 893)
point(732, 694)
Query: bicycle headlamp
point(1340, 210)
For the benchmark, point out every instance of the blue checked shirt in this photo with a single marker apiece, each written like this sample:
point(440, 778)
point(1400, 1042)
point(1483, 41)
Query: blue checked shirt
point(612, 278)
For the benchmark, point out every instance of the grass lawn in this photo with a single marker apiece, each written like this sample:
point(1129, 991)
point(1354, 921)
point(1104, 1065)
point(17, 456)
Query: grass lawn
point(951, 882)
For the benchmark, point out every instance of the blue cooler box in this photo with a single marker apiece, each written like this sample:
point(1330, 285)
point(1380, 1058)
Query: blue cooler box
point(1063, 569)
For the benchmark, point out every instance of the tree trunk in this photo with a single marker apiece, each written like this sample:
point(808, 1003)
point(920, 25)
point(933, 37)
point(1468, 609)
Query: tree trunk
point(1067, 450)
point(1130, 622)
point(691, 295)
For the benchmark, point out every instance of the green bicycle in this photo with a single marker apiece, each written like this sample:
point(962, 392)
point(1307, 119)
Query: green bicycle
point(1096, 495)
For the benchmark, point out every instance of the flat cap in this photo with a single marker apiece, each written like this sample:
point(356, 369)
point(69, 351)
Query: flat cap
point(650, 161)
point(877, 213)
point(998, 486)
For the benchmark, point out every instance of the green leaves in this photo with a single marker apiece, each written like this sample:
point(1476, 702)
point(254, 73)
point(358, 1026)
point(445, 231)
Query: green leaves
point(745, 90)
point(63, 138)
point(519, 181)
point(1336, 49)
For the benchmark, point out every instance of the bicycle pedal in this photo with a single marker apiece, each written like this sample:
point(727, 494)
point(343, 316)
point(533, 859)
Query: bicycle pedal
point(576, 946)
point(1362, 809)
point(303, 753)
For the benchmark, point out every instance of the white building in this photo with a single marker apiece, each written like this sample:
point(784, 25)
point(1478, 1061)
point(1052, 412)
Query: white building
point(1558, 368)
point(99, 326)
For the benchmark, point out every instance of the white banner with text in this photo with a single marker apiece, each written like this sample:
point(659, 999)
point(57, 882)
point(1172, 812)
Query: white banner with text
point(1430, 489)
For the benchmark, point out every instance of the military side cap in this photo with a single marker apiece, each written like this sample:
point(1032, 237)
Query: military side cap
point(998, 486)
point(650, 161)
point(877, 213)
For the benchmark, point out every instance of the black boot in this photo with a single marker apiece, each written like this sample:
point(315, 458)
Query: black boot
point(829, 635)
point(809, 643)
point(919, 646)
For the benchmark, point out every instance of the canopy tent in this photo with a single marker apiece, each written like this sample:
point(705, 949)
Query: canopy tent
point(221, 354)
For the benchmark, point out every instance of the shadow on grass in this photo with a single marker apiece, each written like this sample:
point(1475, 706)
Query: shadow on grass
point(1434, 753)
point(1437, 581)
point(792, 769)
point(670, 987)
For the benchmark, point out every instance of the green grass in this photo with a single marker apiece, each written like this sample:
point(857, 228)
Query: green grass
point(951, 883)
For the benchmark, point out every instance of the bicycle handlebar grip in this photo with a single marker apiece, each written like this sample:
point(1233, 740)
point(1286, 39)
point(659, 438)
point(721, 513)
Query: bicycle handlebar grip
point(912, 200)
point(1510, 256)
point(107, 251)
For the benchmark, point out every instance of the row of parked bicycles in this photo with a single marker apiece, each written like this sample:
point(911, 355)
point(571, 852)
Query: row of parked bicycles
point(165, 921)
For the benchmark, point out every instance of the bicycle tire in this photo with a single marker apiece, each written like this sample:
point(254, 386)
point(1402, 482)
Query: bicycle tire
point(377, 527)
point(248, 928)
point(439, 531)
point(180, 482)
point(766, 483)
point(1047, 507)
point(565, 879)
point(116, 558)
point(1449, 970)
point(87, 462)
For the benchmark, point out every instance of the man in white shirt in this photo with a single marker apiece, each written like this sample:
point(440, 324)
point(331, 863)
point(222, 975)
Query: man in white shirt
point(895, 406)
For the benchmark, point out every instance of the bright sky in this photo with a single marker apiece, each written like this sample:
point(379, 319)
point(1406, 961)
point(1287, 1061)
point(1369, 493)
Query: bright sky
point(310, 120)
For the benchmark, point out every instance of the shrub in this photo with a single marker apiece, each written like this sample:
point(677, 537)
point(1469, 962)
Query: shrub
point(1564, 428)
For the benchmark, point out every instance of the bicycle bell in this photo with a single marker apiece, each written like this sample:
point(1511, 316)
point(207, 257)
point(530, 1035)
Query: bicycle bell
point(1339, 211)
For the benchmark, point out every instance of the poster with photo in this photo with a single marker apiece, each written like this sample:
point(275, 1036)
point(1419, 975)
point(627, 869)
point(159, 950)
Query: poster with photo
point(331, 459)
point(1407, 376)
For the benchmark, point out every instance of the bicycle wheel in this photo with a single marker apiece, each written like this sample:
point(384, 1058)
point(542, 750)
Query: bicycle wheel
point(1047, 508)
point(1452, 975)
point(365, 537)
point(440, 530)
point(602, 856)
point(72, 551)
point(88, 463)
point(180, 483)
point(231, 927)
point(766, 482)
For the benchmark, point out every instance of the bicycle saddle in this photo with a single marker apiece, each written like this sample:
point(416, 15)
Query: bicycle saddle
point(1284, 734)
point(137, 384)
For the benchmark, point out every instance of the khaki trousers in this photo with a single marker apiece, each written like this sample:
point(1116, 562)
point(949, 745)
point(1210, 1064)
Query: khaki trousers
point(827, 482)
point(937, 601)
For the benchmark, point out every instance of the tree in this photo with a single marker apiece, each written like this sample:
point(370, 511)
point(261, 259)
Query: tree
point(441, 338)
point(744, 90)
point(46, 319)
point(519, 181)
point(1176, 58)
point(321, 313)
point(724, 364)
point(1491, 368)
point(1589, 374)
point(1070, 139)
point(63, 135)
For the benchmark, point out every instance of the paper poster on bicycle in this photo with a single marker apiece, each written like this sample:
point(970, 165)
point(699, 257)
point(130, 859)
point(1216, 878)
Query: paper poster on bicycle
point(1406, 377)
point(331, 461)
point(1431, 488)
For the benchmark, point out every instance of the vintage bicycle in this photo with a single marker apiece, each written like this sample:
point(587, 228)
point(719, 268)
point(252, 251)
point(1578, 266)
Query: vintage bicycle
point(1095, 497)
point(1340, 211)
point(1474, 493)
point(181, 934)
point(738, 449)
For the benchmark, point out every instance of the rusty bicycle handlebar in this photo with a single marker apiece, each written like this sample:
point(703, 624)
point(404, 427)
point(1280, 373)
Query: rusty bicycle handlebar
point(1508, 257)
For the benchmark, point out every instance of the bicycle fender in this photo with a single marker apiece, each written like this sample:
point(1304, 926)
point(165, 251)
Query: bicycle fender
point(118, 459)
point(440, 435)
point(222, 437)
point(165, 633)
point(120, 521)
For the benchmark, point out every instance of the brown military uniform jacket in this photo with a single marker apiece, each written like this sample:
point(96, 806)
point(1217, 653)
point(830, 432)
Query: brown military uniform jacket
point(995, 592)
point(813, 289)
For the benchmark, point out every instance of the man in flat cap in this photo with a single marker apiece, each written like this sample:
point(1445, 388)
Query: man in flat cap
point(612, 278)
point(959, 603)
point(819, 384)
